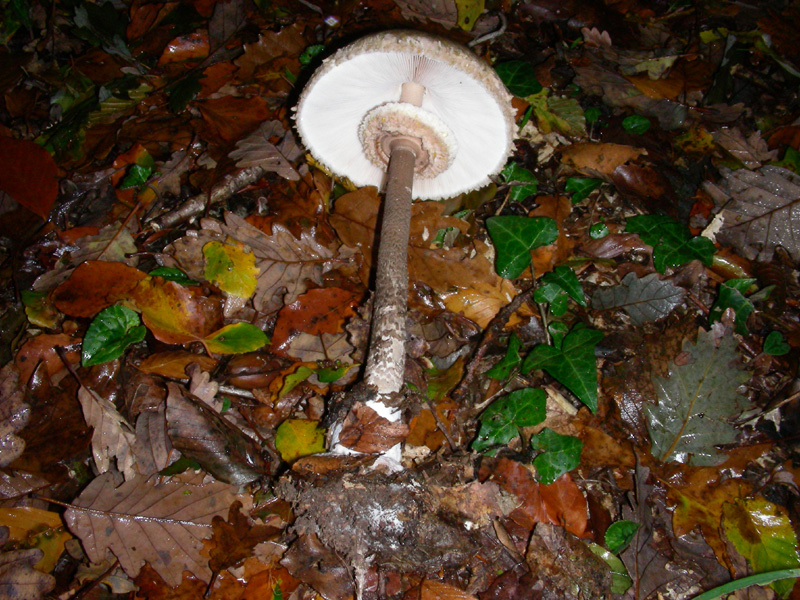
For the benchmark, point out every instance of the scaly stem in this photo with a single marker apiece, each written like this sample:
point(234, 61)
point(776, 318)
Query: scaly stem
point(387, 355)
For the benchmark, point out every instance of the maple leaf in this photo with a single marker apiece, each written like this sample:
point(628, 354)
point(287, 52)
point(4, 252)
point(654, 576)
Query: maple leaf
point(112, 436)
point(764, 211)
point(285, 263)
point(163, 524)
point(697, 400)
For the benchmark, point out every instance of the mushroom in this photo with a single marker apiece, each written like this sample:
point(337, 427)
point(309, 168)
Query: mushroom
point(426, 119)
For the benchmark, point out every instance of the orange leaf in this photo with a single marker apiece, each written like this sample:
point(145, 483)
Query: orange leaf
point(318, 311)
point(42, 349)
point(602, 159)
point(94, 285)
point(231, 118)
point(28, 174)
point(436, 590)
point(194, 46)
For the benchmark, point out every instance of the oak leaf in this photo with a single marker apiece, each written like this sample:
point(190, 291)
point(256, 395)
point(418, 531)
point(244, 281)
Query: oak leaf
point(113, 437)
point(18, 578)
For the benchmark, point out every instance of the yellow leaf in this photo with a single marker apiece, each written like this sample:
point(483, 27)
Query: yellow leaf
point(468, 13)
point(231, 268)
point(299, 437)
point(36, 528)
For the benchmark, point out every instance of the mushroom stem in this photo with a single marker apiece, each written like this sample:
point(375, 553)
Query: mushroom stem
point(387, 356)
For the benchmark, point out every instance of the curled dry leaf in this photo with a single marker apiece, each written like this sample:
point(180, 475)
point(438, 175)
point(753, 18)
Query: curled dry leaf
point(113, 437)
point(144, 521)
point(364, 430)
point(256, 150)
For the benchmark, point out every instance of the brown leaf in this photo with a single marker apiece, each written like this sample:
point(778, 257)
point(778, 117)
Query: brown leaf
point(256, 150)
point(437, 590)
point(175, 314)
point(41, 349)
point(28, 174)
point(94, 285)
point(363, 430)
point(228, 118)
point(233, 540)
point(163, 524)
point(321, 310)
point(18, 578)
point(561, 502)
point(477, 502)
point(546, 258)
point(599, 159)
point(310, 561)
point(113, 437)
point(14, 415)
point(285, 263)
point(751, 151)
point(173, 363)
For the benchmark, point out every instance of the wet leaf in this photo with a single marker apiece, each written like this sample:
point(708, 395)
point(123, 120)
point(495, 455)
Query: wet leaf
point(109, 335)
point(620, 580)
point(696, 402)
point(257, 150)
point(162, 523)
point(762, 533)
point(14, 415)
point(28, 174)
point(775, 344)
point(95, 285)
point(636, 124)
point(581, 187)
point(565, 278)
point(236, 338)
point(231, 268)
point(732, 295)
point(437, 590)
point(752, 151)
point(672, 242)
point(645, 299)
point(523, 183)
point(18, 578)
point(514, 238)
point(501, 421)
point(33, 527)
point(559, 454)
point(468, 13)
point(299, 437)
point(235, 540)
point(619, 535)
point(573, 364)
point(519, 77)
point(502, 370)
point(173, 364)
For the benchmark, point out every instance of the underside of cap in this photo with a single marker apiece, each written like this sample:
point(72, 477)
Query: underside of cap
point(464, 105)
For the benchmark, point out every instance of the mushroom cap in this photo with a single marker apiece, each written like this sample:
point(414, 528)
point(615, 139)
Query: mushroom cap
point(463, 97)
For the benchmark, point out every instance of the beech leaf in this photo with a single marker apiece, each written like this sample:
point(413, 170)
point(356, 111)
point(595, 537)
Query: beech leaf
point(696, 401)
point(514, 238)
point(109, 334)
point(573, 364)
point(645, 300)
point(163, 524)
point(299, 437)
point(231, 268)
point(236, 338)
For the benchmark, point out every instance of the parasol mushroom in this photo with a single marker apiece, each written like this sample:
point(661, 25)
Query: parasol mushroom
point(426, 119)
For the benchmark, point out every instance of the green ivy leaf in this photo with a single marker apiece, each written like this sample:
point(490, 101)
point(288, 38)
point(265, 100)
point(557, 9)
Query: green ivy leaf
point(558, 331)
point(523, 183)
point(598, 231)
point(109, 334)
point(519, 77)
point(791, 160)
point(237, 338)
point(592, 114)
point(672, 242)
point(581, 187)
point(573, 365)
point(502, 370)
point(565, 278)
point(731, 295)
point(183, 91)
point(310, 52)
point(560, 454)
point(619, 534)
point(137, 176)
point(636, 124)
point(514, 238)
point(620, 579)
point(500, 422)
point(775, 345)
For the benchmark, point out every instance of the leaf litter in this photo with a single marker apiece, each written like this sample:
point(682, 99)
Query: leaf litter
point(216, 283)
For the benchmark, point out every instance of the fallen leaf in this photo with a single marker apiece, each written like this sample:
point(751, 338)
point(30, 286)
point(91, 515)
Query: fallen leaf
point(364, 430)
point(645, 300)
point(147, 521)
point(231, 268)
point(299, 437)
point(94, 285)
point(751, 151)
point(173, 363)
point(112, 437)
point(28, 174)
point(14, 415)
point(321, 310)
point(31, 527)
point(598, 159)
point(256, 150)
point(438, 590)
point(18, 578)
point(234, 540)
